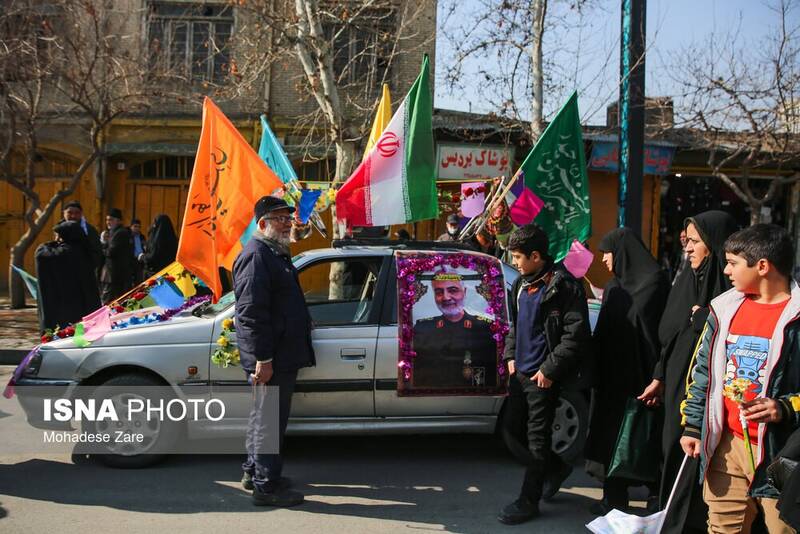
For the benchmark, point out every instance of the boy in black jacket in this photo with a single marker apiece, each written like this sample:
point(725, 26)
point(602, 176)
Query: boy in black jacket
point(549, 334)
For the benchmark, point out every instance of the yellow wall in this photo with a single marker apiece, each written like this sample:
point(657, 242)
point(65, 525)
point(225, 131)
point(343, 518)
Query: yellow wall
point(13, 205)
point(604, 188)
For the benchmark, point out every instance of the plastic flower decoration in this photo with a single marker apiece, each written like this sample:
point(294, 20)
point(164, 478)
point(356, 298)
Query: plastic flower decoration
point(735, 390)
point(225, 355)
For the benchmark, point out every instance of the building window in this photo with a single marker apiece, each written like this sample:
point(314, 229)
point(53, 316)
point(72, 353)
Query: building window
point(316, 171)
point(362, 48)
point(166, 168)
point(190, 40)
point(27, 33)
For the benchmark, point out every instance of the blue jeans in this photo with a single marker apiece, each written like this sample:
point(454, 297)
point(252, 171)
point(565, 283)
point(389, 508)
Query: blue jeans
point(266, 468)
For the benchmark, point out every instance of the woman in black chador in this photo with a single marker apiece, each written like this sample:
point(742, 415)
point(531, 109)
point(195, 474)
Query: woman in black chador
point(162, 246)
point(626, 346)
point(67, 284)
point(684, 317)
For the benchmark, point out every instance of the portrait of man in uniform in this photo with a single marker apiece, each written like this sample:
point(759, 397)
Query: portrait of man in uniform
point(455, 348)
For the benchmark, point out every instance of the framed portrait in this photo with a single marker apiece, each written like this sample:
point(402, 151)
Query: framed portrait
point(452, 324)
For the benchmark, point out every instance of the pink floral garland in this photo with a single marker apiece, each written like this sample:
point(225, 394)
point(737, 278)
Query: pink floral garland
point(410, 265)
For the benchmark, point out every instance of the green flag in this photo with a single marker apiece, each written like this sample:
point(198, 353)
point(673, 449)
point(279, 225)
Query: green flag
point(555, 170)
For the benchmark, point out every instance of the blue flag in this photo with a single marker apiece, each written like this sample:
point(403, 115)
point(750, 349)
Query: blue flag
point(273, 155)
point(307, 202)
point(166, 295)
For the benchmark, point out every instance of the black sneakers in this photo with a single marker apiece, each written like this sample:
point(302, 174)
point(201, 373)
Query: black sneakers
point(282, 498)
point(247, 482)
point(518, 512)
point(553, 481)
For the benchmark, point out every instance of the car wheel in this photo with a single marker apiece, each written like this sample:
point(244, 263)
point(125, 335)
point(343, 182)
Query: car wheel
point(158, 435)
point(569, 427)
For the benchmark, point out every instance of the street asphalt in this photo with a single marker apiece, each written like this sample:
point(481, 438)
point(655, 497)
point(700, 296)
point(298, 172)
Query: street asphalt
point(453, 483)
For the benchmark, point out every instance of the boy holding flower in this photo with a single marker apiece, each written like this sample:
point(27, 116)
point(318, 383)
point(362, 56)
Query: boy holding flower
point(743, 400)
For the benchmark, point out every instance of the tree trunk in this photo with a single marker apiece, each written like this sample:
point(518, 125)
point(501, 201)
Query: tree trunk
point(755, 214)
point(538, 9)
point(345, 160)
point(100, 177)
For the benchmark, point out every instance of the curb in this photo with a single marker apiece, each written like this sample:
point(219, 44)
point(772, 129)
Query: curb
point(12, 356)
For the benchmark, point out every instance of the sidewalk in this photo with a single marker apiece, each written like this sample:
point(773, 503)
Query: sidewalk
point(19, 331)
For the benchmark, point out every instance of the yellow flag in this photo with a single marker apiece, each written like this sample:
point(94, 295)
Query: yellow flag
point(382, 118)
point(182, 281)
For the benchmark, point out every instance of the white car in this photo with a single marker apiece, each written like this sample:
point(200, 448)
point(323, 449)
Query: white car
point(352, 389)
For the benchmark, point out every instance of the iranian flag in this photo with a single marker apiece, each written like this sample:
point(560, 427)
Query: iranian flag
point(395, 183)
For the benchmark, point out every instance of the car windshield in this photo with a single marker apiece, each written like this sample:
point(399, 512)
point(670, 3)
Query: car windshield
point(226, 300)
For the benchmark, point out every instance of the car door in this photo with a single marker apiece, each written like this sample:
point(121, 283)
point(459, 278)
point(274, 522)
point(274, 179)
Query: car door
point(345, 315)
point(387, 403)
point(340, 293)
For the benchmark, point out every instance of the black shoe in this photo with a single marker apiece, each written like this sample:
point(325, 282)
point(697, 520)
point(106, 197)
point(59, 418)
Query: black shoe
point(282, 483)
point(553, 481)
point(280, 498)
point(518, 512)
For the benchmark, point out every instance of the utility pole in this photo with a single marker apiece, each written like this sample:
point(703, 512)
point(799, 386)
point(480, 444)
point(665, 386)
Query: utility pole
point(631, 113)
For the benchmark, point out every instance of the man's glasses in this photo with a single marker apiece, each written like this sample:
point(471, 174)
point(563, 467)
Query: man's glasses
point(284, 219)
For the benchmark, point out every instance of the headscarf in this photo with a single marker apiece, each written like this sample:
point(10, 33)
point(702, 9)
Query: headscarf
point(70, 232)
point(633, 265)
point(700, 287)
point(714, 228)
point(633, 302)
point(162, 244)
point(67, 284)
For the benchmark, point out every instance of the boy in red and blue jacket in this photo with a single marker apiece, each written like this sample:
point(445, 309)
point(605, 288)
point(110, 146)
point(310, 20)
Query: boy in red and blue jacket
point(746, 381)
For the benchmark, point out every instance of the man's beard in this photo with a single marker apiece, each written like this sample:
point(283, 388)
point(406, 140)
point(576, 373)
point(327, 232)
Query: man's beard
point(276, 235)
point(451, 310)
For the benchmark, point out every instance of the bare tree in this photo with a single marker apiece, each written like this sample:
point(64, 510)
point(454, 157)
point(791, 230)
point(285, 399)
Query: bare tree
point(66, 65)
point(740, 104)
point(346, 51)
point(506, 39)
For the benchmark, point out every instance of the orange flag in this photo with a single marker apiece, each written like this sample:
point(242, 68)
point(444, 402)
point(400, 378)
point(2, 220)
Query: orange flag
point(227, 179)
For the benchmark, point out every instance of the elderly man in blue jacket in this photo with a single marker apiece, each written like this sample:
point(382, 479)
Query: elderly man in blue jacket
point(273, 332)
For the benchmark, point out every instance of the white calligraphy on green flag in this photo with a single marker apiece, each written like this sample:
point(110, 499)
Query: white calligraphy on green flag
point(555, 170)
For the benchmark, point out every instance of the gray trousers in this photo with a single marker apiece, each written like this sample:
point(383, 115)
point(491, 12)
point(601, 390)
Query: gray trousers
point(266, 469)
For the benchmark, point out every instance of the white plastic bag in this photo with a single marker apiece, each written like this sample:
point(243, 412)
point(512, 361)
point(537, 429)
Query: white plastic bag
point(617, 522)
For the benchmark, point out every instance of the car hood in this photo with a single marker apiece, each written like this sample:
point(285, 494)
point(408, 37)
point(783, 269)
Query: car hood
point(178, 330)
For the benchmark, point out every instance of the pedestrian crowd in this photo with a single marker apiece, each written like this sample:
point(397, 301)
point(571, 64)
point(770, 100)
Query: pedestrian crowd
point(685, 371)
point(652, 348)
point(696, 380)
point(664, 356)
point(82, 268)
